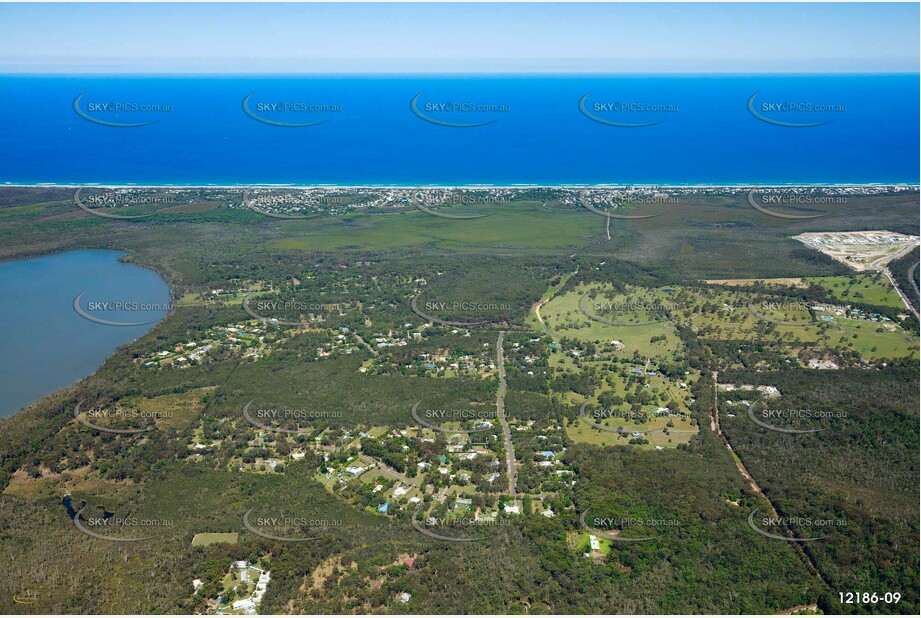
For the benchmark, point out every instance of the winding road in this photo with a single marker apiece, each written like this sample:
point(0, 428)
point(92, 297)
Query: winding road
point(553, 292)
point(540, 319)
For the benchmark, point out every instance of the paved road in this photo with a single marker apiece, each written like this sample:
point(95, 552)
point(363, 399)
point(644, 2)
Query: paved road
point(882, 264)
point(898, 291)
point(500, 412)
point(883, 260)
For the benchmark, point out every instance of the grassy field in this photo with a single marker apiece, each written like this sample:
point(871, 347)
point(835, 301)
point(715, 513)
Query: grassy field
point(663, 392)
point(869, 289)
point(726, 315)
point(176, 410)
point(563, 317)
point(581, 543)
point(203, 539)
point(658, 434)
point(523, 226)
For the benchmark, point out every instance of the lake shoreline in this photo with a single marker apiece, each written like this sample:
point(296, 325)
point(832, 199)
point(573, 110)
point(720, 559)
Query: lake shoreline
point(124, 259)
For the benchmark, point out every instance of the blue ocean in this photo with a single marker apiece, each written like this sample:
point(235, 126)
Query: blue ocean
point(460, 130)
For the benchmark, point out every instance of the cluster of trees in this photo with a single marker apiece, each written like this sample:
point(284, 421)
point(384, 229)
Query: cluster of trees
point(900, 270)
point(860, 469)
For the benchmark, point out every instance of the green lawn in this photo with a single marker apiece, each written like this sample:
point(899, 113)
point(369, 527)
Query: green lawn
point(582, 544)
point(871, 289)
point(681, 433)
point(723, 314)
point(563, 317)
point(520, 225)
point(212, 538)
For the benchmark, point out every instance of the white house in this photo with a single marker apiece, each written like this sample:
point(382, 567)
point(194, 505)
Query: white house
point(246, 605)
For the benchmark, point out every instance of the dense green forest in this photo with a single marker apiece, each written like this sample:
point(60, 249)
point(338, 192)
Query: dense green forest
point(359, 359)
point(861, 467)
point(906, 272)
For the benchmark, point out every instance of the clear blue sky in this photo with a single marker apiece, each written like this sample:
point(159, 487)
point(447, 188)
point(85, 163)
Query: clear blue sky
point(613, 38)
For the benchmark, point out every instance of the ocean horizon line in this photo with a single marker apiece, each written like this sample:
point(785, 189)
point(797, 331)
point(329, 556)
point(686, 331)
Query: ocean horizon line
point(788, 185)
point(449, 74)
point(375, 131)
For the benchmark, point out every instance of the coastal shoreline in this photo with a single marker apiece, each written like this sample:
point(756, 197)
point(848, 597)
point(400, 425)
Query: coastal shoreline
point(728, 187)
